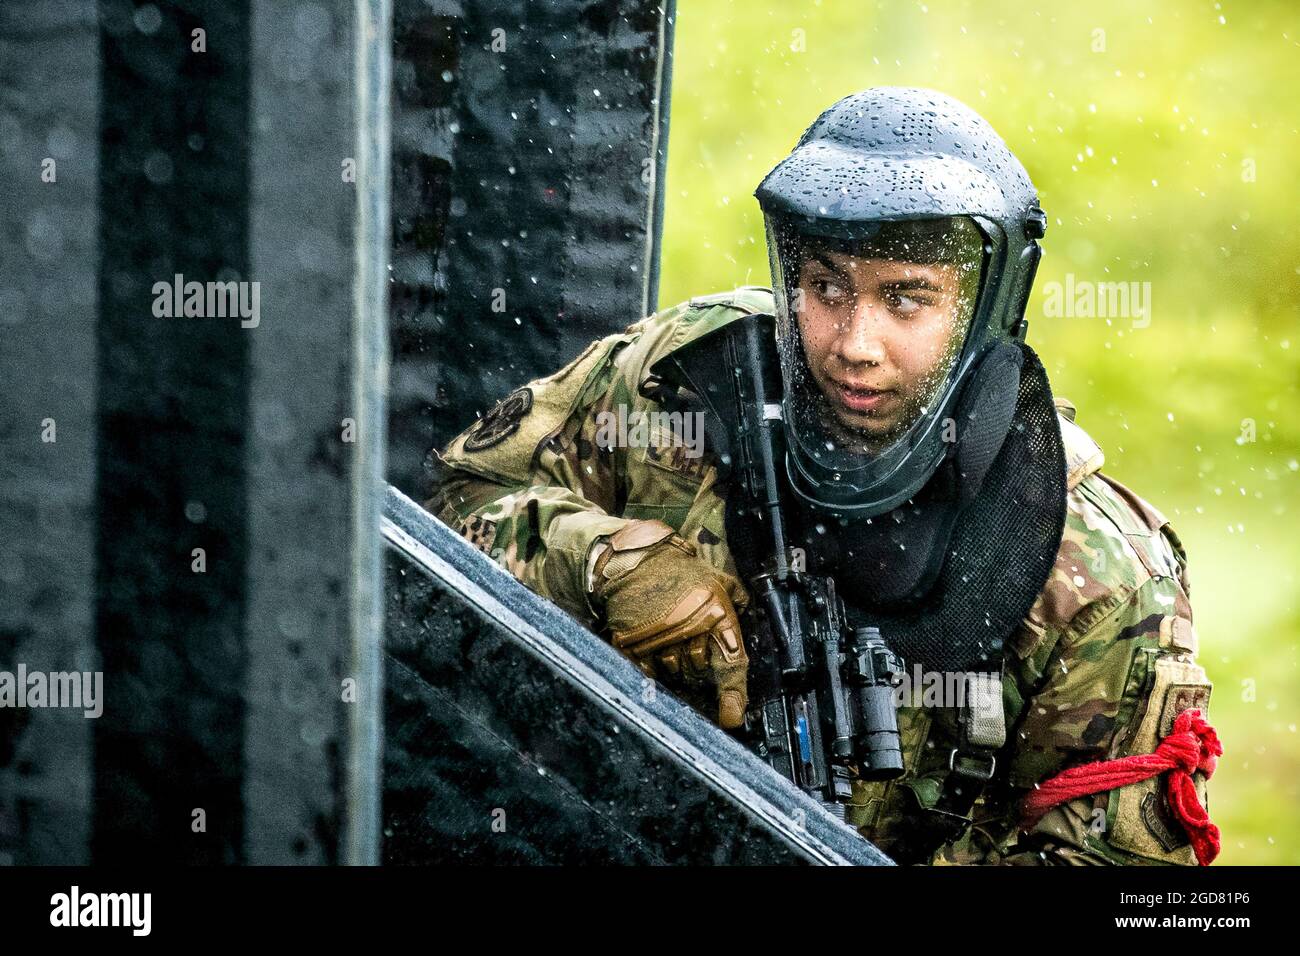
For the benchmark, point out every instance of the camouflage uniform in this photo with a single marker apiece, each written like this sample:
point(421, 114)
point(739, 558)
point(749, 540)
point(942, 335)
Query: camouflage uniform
point(1097, 670)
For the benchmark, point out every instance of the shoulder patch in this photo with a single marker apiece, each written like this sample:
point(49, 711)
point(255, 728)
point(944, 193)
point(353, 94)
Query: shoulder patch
point(501, 422)
point(504, 445)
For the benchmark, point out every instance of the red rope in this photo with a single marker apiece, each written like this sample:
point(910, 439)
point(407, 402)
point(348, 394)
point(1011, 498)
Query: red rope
point(1192, 745)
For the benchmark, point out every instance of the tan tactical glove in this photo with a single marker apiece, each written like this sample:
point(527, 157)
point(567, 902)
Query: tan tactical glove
point(668, 612)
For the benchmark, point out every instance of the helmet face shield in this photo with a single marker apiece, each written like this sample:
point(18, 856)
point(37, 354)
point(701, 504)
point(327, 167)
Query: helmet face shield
point(902, 238)
point(873, 319)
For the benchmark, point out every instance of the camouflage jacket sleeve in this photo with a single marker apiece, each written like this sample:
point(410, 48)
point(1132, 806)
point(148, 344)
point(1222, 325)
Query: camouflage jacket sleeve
point(1101, 666)
point(544, 474)
point(526, 485)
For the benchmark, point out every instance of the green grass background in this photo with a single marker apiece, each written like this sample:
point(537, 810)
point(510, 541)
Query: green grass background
point(1142, 153)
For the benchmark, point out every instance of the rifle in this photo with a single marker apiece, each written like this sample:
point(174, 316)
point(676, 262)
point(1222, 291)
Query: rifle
point(821, 691)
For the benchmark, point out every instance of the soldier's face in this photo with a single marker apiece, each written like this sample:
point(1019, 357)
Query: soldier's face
point(879, 335)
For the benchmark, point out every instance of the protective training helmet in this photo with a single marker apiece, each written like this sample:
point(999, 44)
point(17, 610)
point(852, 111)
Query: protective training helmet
point(901, 234)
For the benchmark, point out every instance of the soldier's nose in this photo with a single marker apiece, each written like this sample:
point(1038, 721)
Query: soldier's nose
point(861, 343)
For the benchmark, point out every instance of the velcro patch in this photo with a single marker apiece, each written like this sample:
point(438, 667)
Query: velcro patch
point(679, 448)
point(1155, 814)
point(1181, 697)
point(1134, 812)
point(501, 422)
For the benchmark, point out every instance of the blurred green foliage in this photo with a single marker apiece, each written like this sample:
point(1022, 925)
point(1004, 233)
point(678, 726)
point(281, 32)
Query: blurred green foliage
point(1162, 137)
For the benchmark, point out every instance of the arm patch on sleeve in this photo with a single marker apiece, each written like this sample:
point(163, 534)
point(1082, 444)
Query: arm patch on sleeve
point(503, 445)
point(1140, 820)
point(501, 422)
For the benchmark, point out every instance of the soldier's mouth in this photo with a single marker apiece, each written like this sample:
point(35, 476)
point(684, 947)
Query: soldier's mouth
point(861, 400)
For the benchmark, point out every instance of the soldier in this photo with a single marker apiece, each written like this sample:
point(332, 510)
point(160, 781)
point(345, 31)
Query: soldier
point(931, 473)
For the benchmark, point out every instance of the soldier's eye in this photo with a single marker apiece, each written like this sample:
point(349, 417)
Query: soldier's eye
point(904, 304)
point(829, 290)
point(907, 304)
